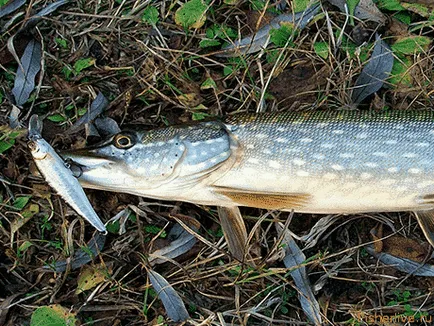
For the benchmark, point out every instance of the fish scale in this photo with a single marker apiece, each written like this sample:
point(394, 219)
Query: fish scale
point(310, 162)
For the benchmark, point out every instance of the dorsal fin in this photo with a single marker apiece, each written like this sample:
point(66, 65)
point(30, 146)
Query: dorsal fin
point(251, 198)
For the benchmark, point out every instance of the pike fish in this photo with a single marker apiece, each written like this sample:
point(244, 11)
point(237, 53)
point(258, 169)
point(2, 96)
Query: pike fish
point(59, 176)
point(310, 162)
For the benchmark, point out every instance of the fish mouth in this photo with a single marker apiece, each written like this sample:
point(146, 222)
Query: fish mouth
point(85, 160)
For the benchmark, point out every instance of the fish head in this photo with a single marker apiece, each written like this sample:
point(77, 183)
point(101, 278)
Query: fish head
point(125, 160)
point(140, 162)
point(39, 148)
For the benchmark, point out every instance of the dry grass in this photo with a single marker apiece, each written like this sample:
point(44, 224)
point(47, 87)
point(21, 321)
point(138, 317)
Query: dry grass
point(153, 77)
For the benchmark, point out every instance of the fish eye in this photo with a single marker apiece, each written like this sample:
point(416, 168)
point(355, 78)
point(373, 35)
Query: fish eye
point(123, 141)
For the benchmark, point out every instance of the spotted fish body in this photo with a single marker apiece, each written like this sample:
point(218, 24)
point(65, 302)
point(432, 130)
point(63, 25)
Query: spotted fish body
point(343, 162)
point(312, 162)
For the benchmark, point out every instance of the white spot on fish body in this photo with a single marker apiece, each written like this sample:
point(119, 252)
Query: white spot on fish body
point(414, 171)
point(210, 141)
point(261, 136)
point(362, 135)
point(213, 149)
point(302, 173)
point(203, 153)
point(393, 169)
point(298, 162)
point(280, 129)
point(281, 140)
point(253, 160)
point(274, 164)
point(398, 126)
point(365, 176)
point(267, 151)
point(196, 143)
point(322, 124)
point(380, 154)
point(156, 154)
point(338, 132)
point(422, 144)
point(306, 140)
point(391, 142)
point(219, 140)
point(250, 146)
point(371, 164)
point(347, 155)
point(318, 156)
point(337, 167)
point(409, 155)
point(388, 182)
point(153, 167)
point(327, 145)
point(213, 160)
point(329, 176)
point(424, 184)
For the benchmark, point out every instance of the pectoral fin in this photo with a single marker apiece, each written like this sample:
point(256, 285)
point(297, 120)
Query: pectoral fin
point(250, 198)
point(426, 222)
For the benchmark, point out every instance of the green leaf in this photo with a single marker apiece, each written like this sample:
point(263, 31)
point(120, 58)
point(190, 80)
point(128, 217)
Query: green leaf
point(390, 5)
point(56, 118)
point(300, 5)
point(191, 14)
point(150, 15)
point(205, 43)
point(3, 2)
point(82, 64)
point(281, 35)
point(352, 4)
point(6, 144)
point(321, 49)
point(417, 8)
point(20, 202)
point(61, 42)
point(54, 315)
point(400, 74)
point(403, 17)
point(197, 116)
point(209, 83)
point(411, 45)
point(227, 70)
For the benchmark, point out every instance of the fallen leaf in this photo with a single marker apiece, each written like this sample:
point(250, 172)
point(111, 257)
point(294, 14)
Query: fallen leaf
point(11, 6)
point(260, 39)
point(96, 108)
point(365, 9)
point(234, 231)
point(90, 277)
point(402, 264)
point(81, 256)
point(29, 66)
point(107, 126)
point(293, 260)
point(172, 302)
point(411, 44)
point(44, 12)
point(54, 315)
point(375, 72)
point(181, 242)
point(191, 14)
